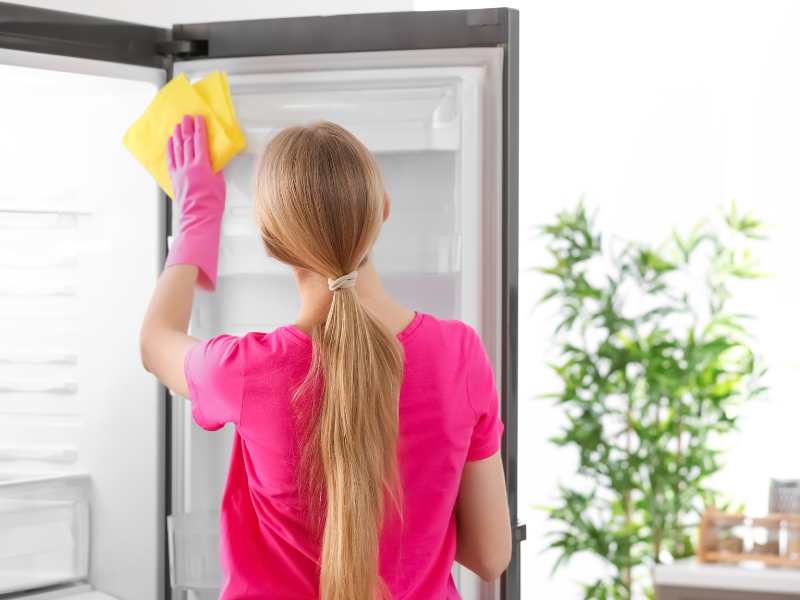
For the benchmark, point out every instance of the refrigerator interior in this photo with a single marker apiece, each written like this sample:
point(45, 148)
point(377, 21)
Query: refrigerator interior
point(80, 241)
point(433, 120)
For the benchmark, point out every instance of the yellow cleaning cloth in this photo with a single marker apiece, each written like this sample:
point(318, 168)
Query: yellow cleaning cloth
point(210, 97)
point(213, 88)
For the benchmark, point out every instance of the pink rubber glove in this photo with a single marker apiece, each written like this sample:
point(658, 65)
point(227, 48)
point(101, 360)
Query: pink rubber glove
point(201, 195)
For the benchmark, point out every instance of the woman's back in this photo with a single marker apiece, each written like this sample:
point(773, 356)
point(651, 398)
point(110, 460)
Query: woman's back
point(448, 414)
point(359, 408)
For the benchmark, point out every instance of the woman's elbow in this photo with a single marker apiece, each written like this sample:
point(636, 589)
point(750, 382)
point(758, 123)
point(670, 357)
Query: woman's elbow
point(495, 562)
point(491, 570)
point(145, 352)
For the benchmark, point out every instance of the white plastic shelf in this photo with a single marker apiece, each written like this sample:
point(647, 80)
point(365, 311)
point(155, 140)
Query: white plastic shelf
point(50, 386)
point(32, 355)
point(44, 531)
point(45, 211)
point(52, 454)
point(397, 110)
point(36, 288)
point(194, 550)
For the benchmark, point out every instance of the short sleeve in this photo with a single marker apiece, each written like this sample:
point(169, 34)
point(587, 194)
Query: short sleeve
point(214, 374)
point(482, 393)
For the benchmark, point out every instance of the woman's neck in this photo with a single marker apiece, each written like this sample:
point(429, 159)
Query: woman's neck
point(315, 298)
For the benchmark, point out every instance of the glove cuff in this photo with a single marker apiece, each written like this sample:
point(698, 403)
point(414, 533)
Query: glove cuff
point(199, 248)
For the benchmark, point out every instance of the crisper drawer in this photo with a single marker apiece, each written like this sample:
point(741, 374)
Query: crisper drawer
point(44, 531)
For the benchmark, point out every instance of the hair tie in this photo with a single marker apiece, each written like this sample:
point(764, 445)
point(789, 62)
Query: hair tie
point(345, 281)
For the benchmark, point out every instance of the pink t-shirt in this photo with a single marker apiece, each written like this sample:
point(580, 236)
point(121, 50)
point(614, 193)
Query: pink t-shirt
point(448, 415)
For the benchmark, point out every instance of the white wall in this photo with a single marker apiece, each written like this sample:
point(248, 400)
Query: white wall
point(166, 12)
point(657, 112)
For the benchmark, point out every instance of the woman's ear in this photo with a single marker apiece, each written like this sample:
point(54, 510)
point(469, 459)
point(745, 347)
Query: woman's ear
point(387, 206)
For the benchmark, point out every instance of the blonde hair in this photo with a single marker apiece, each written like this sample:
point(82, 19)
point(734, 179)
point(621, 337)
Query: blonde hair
point(319, 206)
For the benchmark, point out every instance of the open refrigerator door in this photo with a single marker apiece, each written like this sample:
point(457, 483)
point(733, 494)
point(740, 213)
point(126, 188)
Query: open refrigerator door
point(80, 244)
point(433, 120)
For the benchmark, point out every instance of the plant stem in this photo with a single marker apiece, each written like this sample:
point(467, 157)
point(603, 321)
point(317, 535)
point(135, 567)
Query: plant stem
point(627, 576)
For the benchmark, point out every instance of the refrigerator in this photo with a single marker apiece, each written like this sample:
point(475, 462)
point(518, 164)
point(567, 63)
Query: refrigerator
point(107, 488)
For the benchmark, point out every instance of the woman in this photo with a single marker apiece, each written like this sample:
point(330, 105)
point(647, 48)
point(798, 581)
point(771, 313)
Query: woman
point(366, 434)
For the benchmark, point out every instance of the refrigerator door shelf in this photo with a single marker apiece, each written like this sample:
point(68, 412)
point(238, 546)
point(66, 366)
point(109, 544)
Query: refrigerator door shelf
point(194, 550)
point(44, 531)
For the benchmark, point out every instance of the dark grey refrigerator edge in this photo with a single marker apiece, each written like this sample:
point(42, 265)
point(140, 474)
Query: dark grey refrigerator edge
point(69, 34)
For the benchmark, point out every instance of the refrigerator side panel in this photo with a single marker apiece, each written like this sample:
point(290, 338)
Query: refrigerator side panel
point(511, 586)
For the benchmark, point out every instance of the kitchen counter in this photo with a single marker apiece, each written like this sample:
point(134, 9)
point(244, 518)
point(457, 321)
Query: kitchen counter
point(690, 580)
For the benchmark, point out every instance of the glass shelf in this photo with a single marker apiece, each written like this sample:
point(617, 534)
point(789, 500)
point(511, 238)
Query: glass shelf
point(37, 356)
point(54, 386)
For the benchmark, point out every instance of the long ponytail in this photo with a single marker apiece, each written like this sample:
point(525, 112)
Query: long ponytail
point(319, 204)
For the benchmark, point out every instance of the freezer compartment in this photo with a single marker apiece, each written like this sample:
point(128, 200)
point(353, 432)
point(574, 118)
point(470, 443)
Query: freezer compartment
point(194, 550)
point(44, 531)
point(391, 110)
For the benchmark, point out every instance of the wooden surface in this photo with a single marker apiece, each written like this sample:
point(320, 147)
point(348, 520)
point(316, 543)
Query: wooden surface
point(711, 547)
point(684, 593)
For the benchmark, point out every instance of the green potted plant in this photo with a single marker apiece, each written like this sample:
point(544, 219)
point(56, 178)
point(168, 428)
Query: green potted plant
point(653, 365)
